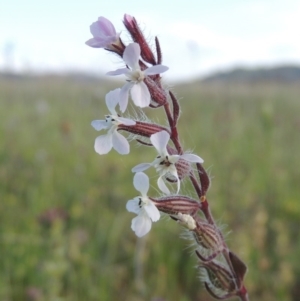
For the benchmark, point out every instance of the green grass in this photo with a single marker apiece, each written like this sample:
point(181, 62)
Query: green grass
point(249, 138)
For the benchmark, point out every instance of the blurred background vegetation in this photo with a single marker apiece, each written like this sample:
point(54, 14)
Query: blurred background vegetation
point(64, 231)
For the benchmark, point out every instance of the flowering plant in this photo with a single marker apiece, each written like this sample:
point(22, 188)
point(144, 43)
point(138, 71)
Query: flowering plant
point(222, 271)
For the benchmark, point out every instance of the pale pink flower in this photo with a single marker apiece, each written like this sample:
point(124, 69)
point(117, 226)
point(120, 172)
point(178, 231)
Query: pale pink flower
point(113, 139)
point(104, 34)
point(142, 206)
point(135, 78)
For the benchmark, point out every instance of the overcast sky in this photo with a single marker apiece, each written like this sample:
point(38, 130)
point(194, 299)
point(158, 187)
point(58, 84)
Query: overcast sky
point(197, 37)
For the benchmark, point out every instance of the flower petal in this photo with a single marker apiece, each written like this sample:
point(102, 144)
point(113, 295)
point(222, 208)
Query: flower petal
point(152, 211)
point(112, 99)
point(141, 225)
point(125, 121)
point(178, 185)
point(174, 158)
point(133, 206)
point(118, 72)
point(141, 183)
point(141, 167)
point(96, 43)
point(99, 125)
point(192, 158)
point(103, 33)
point(120, 143)
point(162, 186)
point(140, 95)
point(173, 171)
point(103, 144)
point(103, 27)
point(131, 55)
point(160, 140)
point(157, 69)
point(124, 96)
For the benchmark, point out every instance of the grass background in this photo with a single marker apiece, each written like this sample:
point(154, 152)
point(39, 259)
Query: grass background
point(64, 232)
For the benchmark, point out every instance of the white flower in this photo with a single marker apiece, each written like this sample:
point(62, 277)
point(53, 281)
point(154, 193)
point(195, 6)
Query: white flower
point(113, 139)
point(165, 163)
point(135, 77)
point(142, 206)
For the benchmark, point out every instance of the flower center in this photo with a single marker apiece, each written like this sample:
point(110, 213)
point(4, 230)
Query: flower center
point(137, 76)
point(164, 161)
point(111, 120)
point(143, 201)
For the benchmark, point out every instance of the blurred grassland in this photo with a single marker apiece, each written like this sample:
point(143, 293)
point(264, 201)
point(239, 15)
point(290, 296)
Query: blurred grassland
point(64, 232)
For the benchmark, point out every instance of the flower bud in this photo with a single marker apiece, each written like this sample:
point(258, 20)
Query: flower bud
point(143, 129)
point(218, 279)
point(204, 179)
point(158, 94)
point(208, 237)
point(183, 168)
point(138, 37)
point(176, 204)
point(176, 107)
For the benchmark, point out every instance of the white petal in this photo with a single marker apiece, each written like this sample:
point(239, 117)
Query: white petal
point(131, 55)
point(141, 167)
point(173, 171)
point(124, 96)
point(133, 206)
point(103, 144)
point(178, 185)
point(152, 211)
point(141, 183)
point(160, 140)
point(120, 143)
point(192, 158)
point(140, 95)
point(125, 121)
point(162, 186)
point(157, 69)
point(99, 125)
point(112, 98)
point(174, 158)
point(141, 225)
point(118, 72)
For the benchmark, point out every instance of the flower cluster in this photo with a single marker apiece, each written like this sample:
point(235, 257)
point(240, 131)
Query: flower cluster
point(222, 271)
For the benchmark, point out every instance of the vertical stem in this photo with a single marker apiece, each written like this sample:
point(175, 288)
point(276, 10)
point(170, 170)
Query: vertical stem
point(196, 185)
point(206, 211)
point(169, 115)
